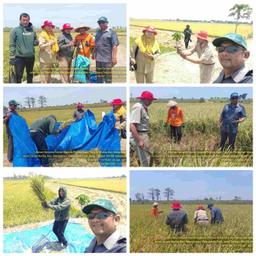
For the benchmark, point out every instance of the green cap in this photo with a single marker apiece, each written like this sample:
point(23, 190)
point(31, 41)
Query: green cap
point(231, 37)
point(102, 19)
point(100, 203)
point(13, 102)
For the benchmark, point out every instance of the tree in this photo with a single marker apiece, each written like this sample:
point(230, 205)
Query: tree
point(138, 197)
point(152, 193)
point(82, 200)
point(28, 102)
point(42, 101)
point(168, 193)
point(157, 193)
point(240, 11)
point(33, 102)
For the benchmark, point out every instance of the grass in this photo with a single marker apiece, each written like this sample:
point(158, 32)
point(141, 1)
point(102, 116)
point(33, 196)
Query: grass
point(200, 142)
point(153, 235)
point(213, 29)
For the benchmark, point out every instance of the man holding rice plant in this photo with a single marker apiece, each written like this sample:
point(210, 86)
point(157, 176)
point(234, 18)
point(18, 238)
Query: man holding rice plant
point(61, 206)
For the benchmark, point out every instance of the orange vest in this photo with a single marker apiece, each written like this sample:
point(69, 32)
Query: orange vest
point(175, 117)
point(81, 40)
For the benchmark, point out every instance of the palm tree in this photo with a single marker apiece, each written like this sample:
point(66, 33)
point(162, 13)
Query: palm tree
point(151, 193)
point(168, 193)
point(240, 11)
point(157, 193)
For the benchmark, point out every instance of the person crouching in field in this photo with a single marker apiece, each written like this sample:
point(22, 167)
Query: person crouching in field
point(177, 218)
point(48, 49)
point(22, 44)
point(143, 55)
point(120, 115)
point(232, 115)
point(155, 211)
point(175, 119)
point(216, 214)
point(66, 49)
point(61, 206)
point(200, 216)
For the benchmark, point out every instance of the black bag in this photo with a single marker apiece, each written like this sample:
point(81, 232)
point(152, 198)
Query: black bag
point(133, 67)
point(12, 75)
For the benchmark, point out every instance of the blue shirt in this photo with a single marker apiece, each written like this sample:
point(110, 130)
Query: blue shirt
point(229, 116)
point(216, 215)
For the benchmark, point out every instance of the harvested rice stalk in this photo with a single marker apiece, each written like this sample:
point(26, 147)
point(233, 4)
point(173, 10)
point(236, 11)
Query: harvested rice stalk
point(37, 185)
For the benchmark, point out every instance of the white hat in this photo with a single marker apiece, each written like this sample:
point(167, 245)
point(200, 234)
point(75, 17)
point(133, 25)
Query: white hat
point(171, 103)
point(155, 203)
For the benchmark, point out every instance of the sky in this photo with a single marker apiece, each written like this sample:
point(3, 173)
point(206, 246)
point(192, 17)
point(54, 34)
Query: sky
point(192, 92)
point(59, 14)
point(184, 9)
point(189, 185)
point(68, 173)
point(64, 95)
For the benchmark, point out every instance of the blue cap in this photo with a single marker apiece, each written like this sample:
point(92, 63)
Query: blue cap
point(231, 37)
point(234, 95)
point(100, 203)
point(102, 19)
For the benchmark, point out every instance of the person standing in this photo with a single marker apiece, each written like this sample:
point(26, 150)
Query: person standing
point(66, 49)
point(22, 42)
point(205, 57)
point(187, 36)
point(61, 206)
point(48, 50)
point(231, 116)
point(175, 119)
point(140, 128)
point(144, 53)
point(155, 210)
point(216, 214)
point(106, 45)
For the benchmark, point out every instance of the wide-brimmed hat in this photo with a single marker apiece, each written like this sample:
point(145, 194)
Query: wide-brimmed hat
point(231, 37)
point(82, 26)
point(100, 203)
point(117, 102)
point(66, 26)
point(200, 207)
point(176, 205)
point(155, 204)
point(79, 105)
point(171, 103)
point(48, 23)
point(149, 29)
point(146, 95)
point(202, 35)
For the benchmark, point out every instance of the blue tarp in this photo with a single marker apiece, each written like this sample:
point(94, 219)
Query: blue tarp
point(80, 63)
point(83, 135)
point(23, 241)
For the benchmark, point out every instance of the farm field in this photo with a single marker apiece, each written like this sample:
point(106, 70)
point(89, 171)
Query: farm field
point(153, 235)
point(119, 71)
point(200, 142)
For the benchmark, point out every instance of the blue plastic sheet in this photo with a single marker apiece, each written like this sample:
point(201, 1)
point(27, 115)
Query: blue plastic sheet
point(23, 241)
point(24, 147)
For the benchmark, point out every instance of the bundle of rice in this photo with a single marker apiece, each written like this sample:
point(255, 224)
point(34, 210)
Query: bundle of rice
point(37, 185)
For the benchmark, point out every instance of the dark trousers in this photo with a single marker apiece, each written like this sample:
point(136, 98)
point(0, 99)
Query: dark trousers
point(186, 41)
point(42, 148)
point(104, 72)
point(20, 65)
point(176, 133)
point(231, 140)
point(59, 229)
point(10, 152)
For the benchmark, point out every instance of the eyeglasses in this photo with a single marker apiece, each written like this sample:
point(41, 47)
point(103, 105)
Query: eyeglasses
point(100, 215)
point(228, 49)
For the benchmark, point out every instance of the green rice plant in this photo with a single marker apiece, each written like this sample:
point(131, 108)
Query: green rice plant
point(37, 185)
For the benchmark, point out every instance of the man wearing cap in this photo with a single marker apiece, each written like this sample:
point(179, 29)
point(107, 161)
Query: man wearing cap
point(232, 54)
point(216, 214)
point(231, 115)
point(22, 44)
point(66, 49)
point(85, 44)
point(48, 50)
point(177, 218)
point(205, 57)
point(106, 43)
point(144, 53)
point(7, 115)
point(39, 130)
point(140, 128)
point(175, 119)
point(120, 115)
point(103, 220)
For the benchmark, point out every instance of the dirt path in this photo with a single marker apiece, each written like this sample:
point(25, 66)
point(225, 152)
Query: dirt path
point(118, 199)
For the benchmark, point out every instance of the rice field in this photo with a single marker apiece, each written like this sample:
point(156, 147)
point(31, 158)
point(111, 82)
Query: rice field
point(199, 145)
point(151, 235)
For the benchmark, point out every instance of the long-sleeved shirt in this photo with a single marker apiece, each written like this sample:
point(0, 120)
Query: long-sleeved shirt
point(46, 125)
point(177, 219)
point(216, 216)
point(65, 50)
point(175, 117)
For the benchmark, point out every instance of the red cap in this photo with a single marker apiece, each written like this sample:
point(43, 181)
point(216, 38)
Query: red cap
point(146, 95)
point(176, 205)
point(117, 102)
point(202, 35)
point(79, 105)
point(150, 29)
point(67, 26)
point(48, 24)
